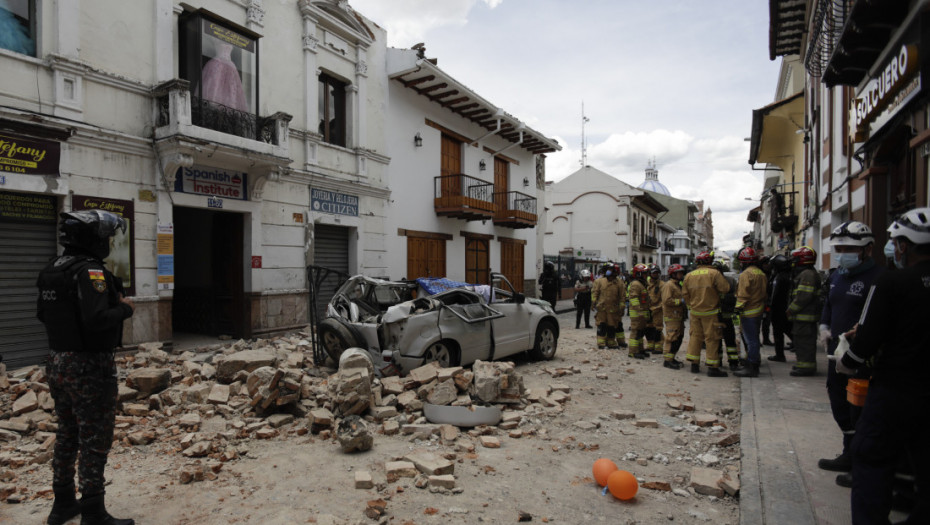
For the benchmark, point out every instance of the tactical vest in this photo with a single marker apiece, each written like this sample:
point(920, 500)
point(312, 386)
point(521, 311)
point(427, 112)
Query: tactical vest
point(58, 305)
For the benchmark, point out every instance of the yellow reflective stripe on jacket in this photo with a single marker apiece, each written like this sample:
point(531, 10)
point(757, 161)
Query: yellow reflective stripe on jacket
point(715, 311)
point(638, 313)
point(634, 301)
point(806, 317)
point(805, 288)
point(754, 311)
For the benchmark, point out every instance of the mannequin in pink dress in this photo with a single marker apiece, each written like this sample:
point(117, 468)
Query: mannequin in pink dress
point(221, 81)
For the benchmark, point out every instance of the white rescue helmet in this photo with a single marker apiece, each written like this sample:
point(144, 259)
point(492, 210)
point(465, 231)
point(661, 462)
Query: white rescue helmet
point(913, 226)
point(852, 233)
point(585, 274)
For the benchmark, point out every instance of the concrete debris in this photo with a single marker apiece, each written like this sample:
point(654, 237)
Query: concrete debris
point(706, 481)
point(353, 434)
point(363, 480)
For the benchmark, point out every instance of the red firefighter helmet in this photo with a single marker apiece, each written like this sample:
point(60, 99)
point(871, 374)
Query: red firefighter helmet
point(675, 268)
point(804, 255)
point(704, 257)
point(639, 271)
point(748, 256)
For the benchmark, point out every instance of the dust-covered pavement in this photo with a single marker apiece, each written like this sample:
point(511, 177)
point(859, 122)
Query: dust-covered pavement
point(630, 411)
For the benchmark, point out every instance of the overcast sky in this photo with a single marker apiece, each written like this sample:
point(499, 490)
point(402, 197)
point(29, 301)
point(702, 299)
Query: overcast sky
point(672, 79)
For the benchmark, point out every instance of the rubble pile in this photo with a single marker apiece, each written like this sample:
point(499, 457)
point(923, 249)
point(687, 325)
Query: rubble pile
point(204, 406)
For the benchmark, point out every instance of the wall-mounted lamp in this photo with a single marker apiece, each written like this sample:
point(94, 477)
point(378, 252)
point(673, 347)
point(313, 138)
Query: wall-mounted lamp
point(417, 140)
point(482, 165)
point(526, 182)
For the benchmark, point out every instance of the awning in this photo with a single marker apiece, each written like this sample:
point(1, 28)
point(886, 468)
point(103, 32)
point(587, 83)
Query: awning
point(424, 77)
point(774, 129)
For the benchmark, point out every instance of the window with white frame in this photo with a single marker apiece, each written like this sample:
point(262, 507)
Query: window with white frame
point(18, 26)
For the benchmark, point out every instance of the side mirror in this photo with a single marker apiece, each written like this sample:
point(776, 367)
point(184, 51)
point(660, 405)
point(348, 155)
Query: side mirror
point(519, 298)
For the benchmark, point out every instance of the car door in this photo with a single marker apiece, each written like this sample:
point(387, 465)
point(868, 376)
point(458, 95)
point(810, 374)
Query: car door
point(470, 326)
point(512, 331)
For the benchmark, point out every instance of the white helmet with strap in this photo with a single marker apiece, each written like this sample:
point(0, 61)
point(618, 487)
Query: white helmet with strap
point(913, 226)
point(852, 233)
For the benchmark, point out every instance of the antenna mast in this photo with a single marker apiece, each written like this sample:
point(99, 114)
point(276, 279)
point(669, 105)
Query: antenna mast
point(584, 145)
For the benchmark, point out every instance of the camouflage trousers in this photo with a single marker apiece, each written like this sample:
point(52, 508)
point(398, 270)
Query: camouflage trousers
point(83, 385)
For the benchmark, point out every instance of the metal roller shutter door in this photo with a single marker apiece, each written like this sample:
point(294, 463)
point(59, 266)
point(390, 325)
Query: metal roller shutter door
point(25, 248)
point(331, 250)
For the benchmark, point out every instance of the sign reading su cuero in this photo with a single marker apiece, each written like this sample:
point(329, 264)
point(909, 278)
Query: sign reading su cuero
point(889, 89)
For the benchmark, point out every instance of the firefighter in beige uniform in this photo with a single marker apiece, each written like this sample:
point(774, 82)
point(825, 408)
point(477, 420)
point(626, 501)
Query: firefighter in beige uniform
point(608, 298)
point(673, 315)
point(701, 291)
point(654, 334)
point(640, 313)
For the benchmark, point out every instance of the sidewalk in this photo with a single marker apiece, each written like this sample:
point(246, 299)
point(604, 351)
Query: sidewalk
point(786, 427)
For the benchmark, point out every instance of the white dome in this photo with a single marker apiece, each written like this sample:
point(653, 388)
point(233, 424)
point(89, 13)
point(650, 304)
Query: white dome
point(654, 186)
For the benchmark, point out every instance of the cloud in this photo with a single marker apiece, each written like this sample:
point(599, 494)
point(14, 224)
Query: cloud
point(633, 150)
point(405, 29)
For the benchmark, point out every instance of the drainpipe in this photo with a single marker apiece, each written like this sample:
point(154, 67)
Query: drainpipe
point(499, 115)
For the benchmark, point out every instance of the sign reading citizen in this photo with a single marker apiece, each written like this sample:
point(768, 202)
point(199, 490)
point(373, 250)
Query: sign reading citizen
point(335, 203)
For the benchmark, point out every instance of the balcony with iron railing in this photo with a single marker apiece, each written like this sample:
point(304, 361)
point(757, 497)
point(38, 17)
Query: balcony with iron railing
point(181, 114)
point(461, 196)
point(515, 210)
point(649, 241)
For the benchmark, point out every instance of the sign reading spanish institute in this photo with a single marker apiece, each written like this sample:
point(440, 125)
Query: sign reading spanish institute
point(335, 203)
point(213, 182)
point(29, 156)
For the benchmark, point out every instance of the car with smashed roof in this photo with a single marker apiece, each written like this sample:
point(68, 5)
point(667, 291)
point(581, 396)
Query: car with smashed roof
point(406, 324)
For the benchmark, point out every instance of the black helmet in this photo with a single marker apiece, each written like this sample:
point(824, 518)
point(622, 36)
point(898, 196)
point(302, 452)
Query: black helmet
point(89, 230)
point(780, 263)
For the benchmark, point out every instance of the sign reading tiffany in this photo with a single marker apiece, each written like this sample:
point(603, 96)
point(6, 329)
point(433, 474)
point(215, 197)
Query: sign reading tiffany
point(335, 203)
point(215, 182)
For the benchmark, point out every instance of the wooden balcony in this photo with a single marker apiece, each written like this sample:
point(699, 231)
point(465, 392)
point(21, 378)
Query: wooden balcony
point(515, 210)
point(463, 197)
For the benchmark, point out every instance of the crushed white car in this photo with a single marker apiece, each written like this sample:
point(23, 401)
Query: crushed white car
point(403, 327)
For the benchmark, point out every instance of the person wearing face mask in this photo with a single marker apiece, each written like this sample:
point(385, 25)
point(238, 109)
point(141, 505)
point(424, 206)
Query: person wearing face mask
point(892, 333)
point(848, 287)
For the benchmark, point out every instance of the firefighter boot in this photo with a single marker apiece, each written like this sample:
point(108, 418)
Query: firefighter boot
point(601, 342)
point(750, 370)
point(94, 512)
point(65, 506)
point(803, 372)
point(695, 368)
point(734, 365)
point(714, 371)
point(671, 363)
point(778, 357)
point(621, 339)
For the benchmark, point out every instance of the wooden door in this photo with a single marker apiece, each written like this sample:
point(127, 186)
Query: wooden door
point(501, 185)
point(425, 257)
point(512, 263)
point(477, 261)
point(451, 164)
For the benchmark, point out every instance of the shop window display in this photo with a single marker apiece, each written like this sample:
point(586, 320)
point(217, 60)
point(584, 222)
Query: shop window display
point(221, 63)
point(17, 26)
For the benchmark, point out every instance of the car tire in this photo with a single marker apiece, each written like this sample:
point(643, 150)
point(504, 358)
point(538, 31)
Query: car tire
point(445, 353)
point(335, 338)
point(546, 342)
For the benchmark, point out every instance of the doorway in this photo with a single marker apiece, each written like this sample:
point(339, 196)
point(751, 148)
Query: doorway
point(209, 295)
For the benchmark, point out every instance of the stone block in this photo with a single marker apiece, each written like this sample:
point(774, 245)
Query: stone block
point(705, 481)
point(489, 442)
point(248, 360)
point(363, 480)
point(443, 394)
point(622, 414)
point(430, 464)
point(149, 381)
point(27, 402)
point(446, 481)
point(395, 470)
point(425, 373)
point(219, 394)
point(704, 420)
point(647, 423)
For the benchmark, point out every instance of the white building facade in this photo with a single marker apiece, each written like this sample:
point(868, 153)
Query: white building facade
point(593, 211)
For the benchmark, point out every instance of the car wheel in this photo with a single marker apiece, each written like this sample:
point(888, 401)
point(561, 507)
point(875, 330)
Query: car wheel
point(443, 353)
point(335, 338)
point(546, 341)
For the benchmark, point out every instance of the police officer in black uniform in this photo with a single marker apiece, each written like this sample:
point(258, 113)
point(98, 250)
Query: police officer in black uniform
point(82, 306)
